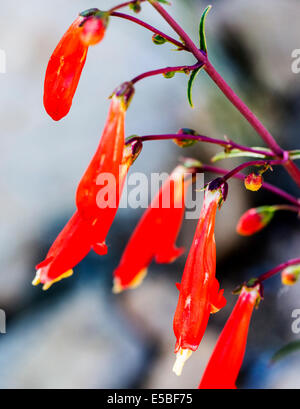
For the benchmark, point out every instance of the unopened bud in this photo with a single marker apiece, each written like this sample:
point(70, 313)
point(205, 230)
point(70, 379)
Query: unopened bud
point(290, 275)
point(158, 40)
point(253, 182)
point(255, 220)
point(184, 143)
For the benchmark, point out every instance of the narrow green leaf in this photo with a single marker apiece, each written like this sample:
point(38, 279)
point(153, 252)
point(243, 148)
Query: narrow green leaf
point(190, 84)
point(202, 29)
point(237, 153)
point(164, 2)
point(295, 154)
point(285, 351)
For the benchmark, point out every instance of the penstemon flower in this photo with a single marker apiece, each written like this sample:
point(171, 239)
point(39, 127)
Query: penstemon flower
point(199, 289)
point(156, 233)
point(68, 59)
point(254, 220)
point(226, 360)
point(70, 247)
point(96, 203)
point(77, 238)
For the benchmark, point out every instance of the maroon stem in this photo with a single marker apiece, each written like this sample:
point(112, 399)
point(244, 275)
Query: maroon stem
point(165, 71)
point(277, 269)
point(122, 5)
point(229, 93)
point(271, 188)
point(251, 163)
point(201, 138)
point(150, 28)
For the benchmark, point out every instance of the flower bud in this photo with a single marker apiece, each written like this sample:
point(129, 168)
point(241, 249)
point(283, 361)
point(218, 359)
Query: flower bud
point(184, 143)
point(169, 74)
point(136, 6)
point(158, 40)
point(290, 275)
point(255, 220)
point(253, 182)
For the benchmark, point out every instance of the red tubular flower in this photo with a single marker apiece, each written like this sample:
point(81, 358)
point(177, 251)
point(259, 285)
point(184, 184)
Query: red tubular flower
point(76, 239)
point(199, 289)
point(226, 360)
point(254, 220)
point(155, 234)
point(71, 246)
point(67, 62)
point(98, 205)
point(253, 182)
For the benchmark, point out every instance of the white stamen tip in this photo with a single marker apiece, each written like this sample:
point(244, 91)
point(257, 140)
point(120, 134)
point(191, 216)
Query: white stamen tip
point(181, 357)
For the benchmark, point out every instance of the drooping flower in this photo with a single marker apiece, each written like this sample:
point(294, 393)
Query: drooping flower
point(290, 275)
point(68, 59)
point(254, 220)
point(199, 294)
point(155, 235)
point(226, 360)
point(78, 237)
point(253, 182)
point(99, 191)
point(71, 245)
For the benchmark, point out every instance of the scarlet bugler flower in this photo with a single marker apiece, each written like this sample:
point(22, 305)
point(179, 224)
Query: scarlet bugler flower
point(199, 294)
point(155, 235)
point(68, 59)
point(99, 191)
point(254, 220)
point(90, 224)
point(253, 182)
point(226, 360)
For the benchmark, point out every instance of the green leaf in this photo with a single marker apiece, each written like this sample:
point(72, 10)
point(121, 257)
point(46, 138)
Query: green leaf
point(285, 351)
point(202, 29)
point(190, 84)
point(237, 153)
point(164, 2)
point(295, 154)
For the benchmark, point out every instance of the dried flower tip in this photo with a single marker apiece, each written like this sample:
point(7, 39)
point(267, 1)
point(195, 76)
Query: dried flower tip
point(135, 283)
point(181, 357)
point(47, 285)
point(253, 182)
point(125, 92)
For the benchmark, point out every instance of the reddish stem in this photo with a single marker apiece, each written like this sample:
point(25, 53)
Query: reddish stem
point(165, 71)
point(229, 93)
point(277, 269)
point(271, 188)
point(122, 5)
point(200, 138)
point(150, 28)
point(251, 163)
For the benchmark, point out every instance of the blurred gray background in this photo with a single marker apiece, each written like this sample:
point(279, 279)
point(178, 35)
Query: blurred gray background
point(78, 335)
